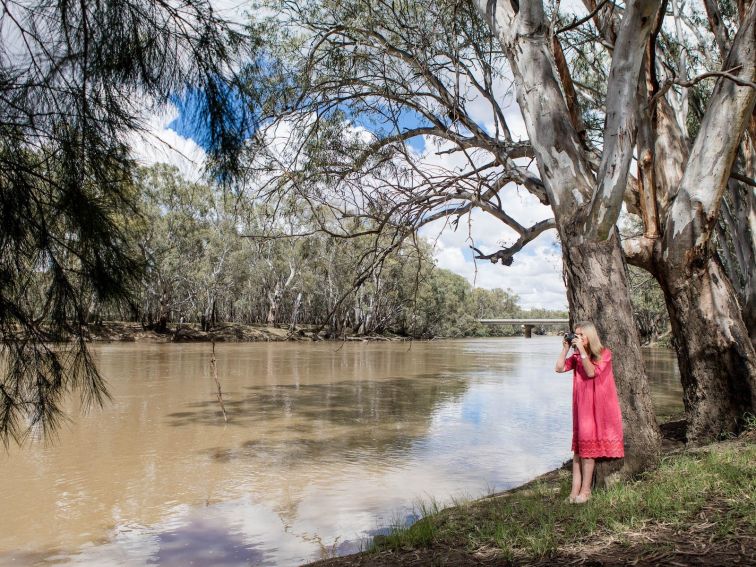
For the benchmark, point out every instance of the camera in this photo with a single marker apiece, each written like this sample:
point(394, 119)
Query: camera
point(569, 337)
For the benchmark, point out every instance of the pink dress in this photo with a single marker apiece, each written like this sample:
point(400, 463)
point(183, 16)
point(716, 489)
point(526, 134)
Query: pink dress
point(596, 417)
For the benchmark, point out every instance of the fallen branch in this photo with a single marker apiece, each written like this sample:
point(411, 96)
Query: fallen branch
point(214, 370)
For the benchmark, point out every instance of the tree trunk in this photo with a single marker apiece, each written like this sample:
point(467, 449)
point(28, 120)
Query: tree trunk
point(596, 278)
point(274, 297)
point(715, 354)
point(714, 351)
point(586, 208)
point(164, 310)
point(736, 233)
point(295, 311)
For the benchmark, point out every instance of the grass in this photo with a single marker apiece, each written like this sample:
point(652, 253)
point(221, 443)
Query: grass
point(537, 521)
point(749, 422)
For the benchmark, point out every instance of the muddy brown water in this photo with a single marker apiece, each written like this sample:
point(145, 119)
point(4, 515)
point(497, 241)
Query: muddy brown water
point(327, 445)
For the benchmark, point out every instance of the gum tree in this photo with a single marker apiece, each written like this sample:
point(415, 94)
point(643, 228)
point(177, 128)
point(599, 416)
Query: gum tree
point(374, 79)
point(385, 91)
point(688, 162)
point(585, 185)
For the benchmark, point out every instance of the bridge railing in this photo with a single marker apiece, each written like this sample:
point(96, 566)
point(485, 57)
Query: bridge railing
point(527, 324)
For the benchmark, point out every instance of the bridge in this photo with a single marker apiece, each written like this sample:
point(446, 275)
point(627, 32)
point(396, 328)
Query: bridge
point(527, 324)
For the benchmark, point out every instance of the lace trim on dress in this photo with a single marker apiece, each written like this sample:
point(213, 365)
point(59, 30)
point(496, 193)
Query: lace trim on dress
point(594, 448)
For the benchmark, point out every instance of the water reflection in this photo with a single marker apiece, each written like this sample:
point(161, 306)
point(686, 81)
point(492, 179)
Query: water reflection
point(325, 446)
point(664, 375)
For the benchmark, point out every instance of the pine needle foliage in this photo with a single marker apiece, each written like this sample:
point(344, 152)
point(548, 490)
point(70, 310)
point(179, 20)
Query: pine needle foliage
point(78, 80)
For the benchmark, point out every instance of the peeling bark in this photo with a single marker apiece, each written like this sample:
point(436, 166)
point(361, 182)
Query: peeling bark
point(646, 159)
point(569, 91)
point(620, 128)
point(670, 156)
point(715, 353)
point(736, 235)
point(717, 27)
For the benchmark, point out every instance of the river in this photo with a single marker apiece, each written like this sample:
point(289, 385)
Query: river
point(327, 445)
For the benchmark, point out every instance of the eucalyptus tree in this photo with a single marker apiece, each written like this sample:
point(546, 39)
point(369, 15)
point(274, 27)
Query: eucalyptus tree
point(322, 279)
point(736, 229)
point(396, 114)
point(184, 224)
point(77, 81)
point(688, 162)
point(377, 81)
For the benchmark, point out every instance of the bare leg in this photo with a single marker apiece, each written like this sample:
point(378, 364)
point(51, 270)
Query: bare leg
point(587, 480)
point(577, 476)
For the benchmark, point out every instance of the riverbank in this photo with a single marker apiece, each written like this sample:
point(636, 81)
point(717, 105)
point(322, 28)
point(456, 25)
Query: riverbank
point(118, 331)
point(698, 507)
point(124, 331)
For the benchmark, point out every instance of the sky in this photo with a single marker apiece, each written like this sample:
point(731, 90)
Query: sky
point(536, 273)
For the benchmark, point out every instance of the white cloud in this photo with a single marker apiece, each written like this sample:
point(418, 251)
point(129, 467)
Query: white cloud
point(160, 144)
point(535, 274)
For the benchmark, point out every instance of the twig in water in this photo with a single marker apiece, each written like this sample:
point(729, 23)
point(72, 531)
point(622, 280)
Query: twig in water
point(214, 370)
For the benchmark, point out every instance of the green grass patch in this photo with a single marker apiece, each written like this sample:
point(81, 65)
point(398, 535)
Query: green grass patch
point(537, 521)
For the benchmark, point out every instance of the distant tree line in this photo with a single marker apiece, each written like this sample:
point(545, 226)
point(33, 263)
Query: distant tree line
point(204, 264)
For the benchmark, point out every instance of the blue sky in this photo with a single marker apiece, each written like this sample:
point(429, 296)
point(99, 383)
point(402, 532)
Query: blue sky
point(536, 273)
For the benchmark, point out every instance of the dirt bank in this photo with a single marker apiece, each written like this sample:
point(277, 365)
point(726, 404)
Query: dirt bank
point(114, 331)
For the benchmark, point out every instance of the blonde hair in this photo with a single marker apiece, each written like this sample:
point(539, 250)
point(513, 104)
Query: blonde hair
point(594, 343)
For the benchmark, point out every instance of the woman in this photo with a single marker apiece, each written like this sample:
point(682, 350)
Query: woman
point(596, 417)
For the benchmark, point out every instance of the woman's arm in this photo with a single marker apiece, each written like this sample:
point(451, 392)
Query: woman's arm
point(588, 366)
point(560, 361)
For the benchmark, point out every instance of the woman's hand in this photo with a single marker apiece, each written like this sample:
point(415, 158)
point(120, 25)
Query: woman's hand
point(577, 342)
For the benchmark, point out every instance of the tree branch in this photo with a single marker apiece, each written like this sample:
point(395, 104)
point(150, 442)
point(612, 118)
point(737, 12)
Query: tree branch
point(621, 117)
point(695, 80)
point(745, 179)
point(717, 27)
point(506, 255)
point(577, 23)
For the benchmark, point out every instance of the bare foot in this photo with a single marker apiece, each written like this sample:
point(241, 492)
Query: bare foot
point(582, 498)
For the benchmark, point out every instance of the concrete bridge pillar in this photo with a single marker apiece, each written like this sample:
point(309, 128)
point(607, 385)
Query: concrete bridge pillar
point(528, 331)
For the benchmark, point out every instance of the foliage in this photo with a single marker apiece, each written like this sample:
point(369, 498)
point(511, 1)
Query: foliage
point(63, 247)
point(649, 307)
point(310, 279)
point(75, 80)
